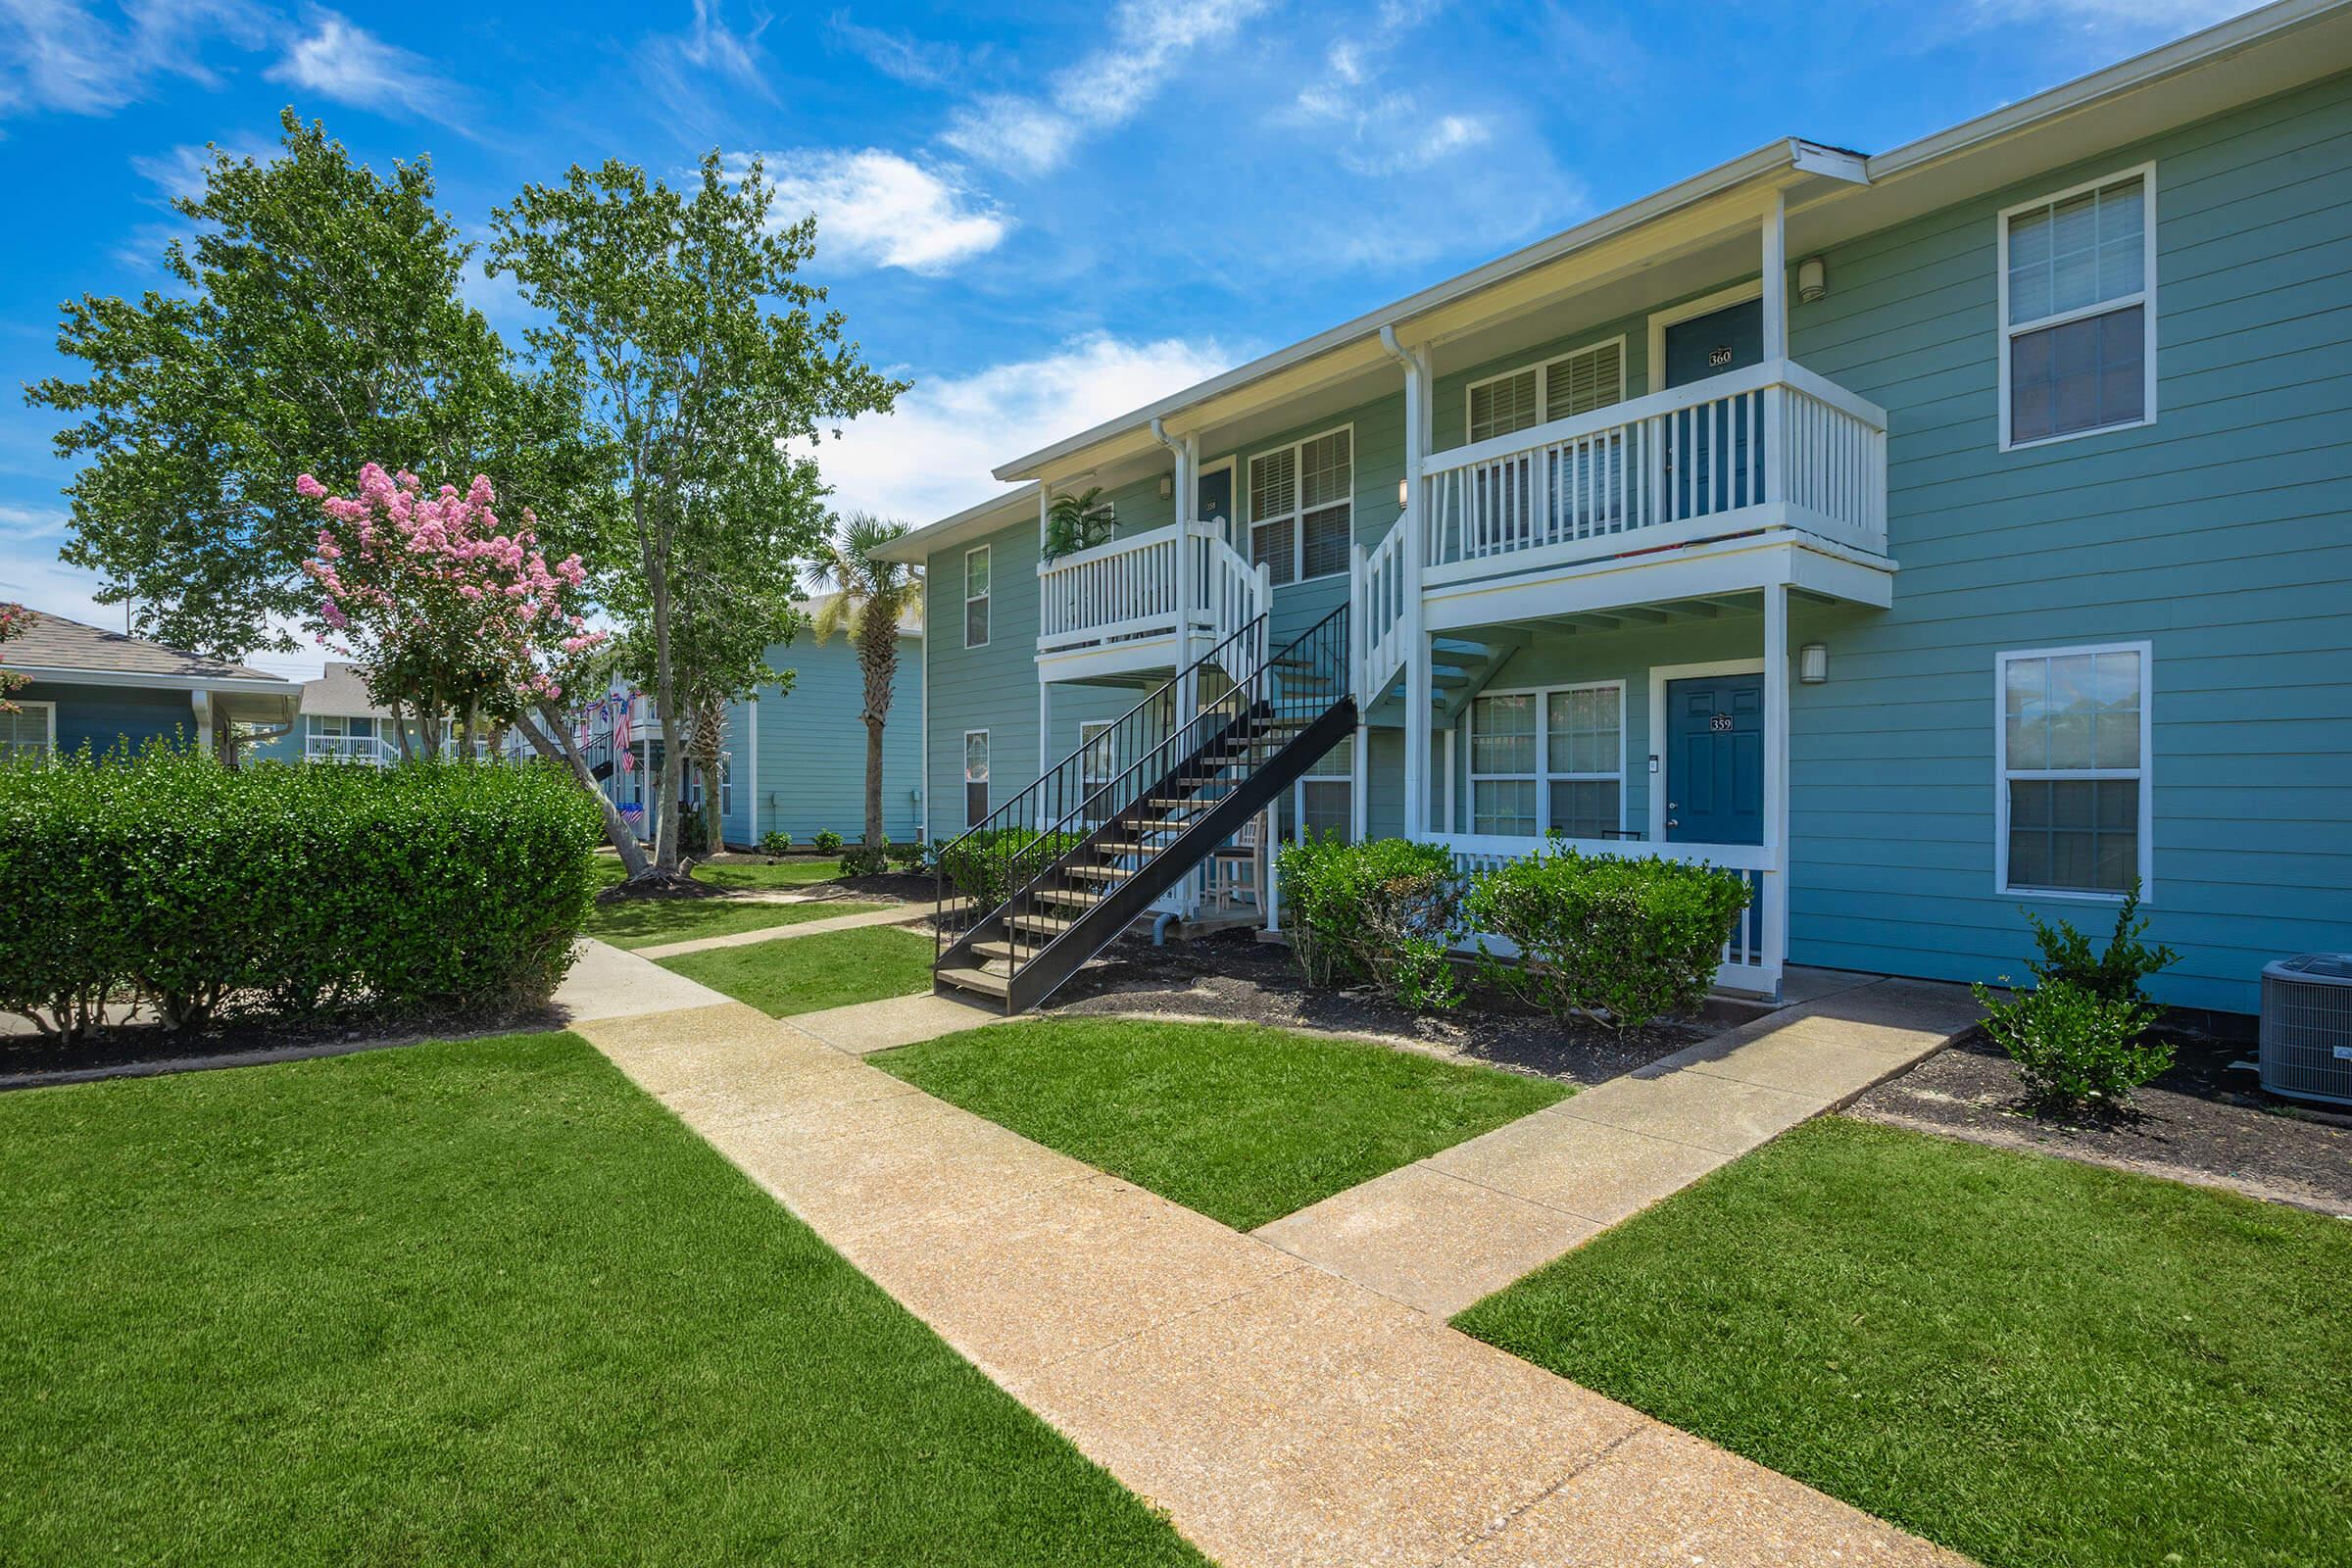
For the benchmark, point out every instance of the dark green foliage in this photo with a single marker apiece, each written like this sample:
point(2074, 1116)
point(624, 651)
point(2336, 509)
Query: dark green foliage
point(907, 855)
point(2077, 1036)
point(1075, 522)
point(1384, 913)
point(776, 842)
point(862, 859)
point(986, 867)
point(827, 842)
point(169, 879)
point(1622, 939)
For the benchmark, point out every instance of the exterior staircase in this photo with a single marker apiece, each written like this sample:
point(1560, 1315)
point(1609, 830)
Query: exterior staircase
point(1078, 859)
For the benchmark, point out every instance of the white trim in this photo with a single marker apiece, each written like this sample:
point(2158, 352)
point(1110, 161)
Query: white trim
point(1543, 373)
point(1245, 504)
point(242, 685)
point(923, 778)
point(1659, 677)
point(987, 596)
point(48, 708)
point(2146, 772)
point(2007, 333)
point(1542, 776)
point(1235, 527)
point(1723, 299)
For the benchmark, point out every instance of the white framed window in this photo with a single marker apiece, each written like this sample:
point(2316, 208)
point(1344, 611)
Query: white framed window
point(1323, 801)
point(1302, 506)
point(1098, 756)
point(975, 777)
point(975, 597)
point(29, 733)
point(1548, 760)
point(2072, 750)
point(2078, 304)
point(1575, 382)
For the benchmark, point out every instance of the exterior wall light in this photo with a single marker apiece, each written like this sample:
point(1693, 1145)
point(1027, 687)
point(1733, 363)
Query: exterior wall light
point(1167, 485)
point(1812, 278)
point(1401, 493)
point(1813, 664)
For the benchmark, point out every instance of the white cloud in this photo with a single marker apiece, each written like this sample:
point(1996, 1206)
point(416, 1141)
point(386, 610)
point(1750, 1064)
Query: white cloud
point(353, 66)
point(919, 62)
point(1150, 39)
point(61, 55)
point(1418, 145)
point(933, 455)
point(1388, 133)
point(181, 172)
point(883, 209)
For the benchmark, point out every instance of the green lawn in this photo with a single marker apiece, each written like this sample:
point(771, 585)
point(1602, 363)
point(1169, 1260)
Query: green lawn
point(745, 875)
point(650, 922)
point(803, 974)
point(2037, 1362)
point(1242, 1123)
point(480, 1302)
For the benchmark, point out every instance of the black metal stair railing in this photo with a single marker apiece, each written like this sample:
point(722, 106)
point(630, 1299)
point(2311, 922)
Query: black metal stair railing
point(1100, 864)
point(978, 870)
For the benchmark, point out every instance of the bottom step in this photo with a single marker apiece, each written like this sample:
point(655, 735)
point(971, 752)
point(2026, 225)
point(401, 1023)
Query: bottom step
point(979, 980)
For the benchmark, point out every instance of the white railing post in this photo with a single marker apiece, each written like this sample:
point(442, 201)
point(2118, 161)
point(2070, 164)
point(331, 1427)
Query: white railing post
point(1776, 774)
point(1412, 554)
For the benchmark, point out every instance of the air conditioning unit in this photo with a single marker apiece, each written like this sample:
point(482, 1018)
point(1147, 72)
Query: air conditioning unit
point(2307, 1027)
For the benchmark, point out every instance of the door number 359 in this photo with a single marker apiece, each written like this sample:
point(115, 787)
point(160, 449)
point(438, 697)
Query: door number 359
point(1721, 723)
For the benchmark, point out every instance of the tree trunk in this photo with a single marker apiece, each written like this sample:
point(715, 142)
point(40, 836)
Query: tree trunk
point(400, 732)
point(874, 838)
point(665, 706)
point(878, 658)
point(623, 837)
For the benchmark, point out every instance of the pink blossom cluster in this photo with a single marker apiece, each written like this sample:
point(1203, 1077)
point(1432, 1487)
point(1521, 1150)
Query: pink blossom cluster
point(436, 597)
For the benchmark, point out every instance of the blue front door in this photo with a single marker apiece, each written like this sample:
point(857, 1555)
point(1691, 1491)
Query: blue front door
point(1709, 458)
point(1715, 759)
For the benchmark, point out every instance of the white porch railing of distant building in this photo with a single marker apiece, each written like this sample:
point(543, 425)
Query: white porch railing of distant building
point(365, 749)
point(1380, 589)
point(1773, 445)
point(1753, 958)
point(1126, 589)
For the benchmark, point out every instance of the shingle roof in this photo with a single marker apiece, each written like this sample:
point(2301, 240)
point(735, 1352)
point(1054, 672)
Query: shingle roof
point(340, 691)
point(52, 642)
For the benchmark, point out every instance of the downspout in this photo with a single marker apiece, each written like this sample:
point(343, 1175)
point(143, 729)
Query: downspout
point(1417, 674)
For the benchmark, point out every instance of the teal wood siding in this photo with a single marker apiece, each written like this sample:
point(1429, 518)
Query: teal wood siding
point(2221, 534)
point(108, 718)
point(812, 747)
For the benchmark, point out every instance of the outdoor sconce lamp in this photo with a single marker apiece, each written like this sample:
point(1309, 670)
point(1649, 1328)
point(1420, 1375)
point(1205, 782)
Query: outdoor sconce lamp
point(1167, 485)
point(1401, 493)
point(1813, 664)
point(1812, 278)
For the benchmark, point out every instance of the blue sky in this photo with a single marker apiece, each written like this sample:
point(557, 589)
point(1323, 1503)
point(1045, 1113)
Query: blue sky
point(1043, 214)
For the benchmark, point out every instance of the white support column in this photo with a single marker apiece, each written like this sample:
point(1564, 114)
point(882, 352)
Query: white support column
point(1044, 744)
point(1776, 772)
point(1448, 826)
point(1417, 674)
point(1045, 517)
point(200, 703)
point(1776, 346)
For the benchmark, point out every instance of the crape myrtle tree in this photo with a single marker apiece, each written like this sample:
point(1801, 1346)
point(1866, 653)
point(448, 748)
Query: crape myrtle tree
point(448, 614)
point(15, 621)
point(705, 364)
point(869, 595)
point(312, 323)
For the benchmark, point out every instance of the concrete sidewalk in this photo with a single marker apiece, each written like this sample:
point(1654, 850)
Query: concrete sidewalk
point(895, 914)
point(1444, 1232)
point(1282, 1414)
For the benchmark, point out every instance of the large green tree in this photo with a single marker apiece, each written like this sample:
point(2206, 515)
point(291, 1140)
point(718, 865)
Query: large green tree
point(869, 597)
point(710, 367)
point(314, 324)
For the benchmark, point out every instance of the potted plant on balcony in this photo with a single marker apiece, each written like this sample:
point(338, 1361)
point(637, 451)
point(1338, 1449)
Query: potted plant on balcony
point(1075, 522)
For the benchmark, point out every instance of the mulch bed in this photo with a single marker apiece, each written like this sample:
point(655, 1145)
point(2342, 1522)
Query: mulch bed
point(1231, 975)
point(2201, 1122)
point(898, 887)
point(143, 1046)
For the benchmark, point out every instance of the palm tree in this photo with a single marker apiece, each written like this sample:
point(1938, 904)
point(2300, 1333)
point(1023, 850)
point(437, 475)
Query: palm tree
point(869, 596)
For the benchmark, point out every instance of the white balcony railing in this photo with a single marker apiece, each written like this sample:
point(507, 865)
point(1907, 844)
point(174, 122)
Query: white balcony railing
point(1753, 957)
point(1769, 446)
point(1125, 591)
point(348, 749)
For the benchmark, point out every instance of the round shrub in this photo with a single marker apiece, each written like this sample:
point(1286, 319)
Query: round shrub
point(826, 842)
point(776, 842)
point(987, 866)
point(1384, 913)
point(860, 860)
point(289, 890)
point(1622, 939)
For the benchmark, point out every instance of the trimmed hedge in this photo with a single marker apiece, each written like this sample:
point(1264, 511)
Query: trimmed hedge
point(292, 890)
point(987, 866)
point(1384, 913)
point(1621, 940)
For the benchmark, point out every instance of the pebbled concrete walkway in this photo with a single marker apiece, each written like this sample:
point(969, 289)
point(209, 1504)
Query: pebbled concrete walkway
point(1282, 1415)
point(1444, 1232)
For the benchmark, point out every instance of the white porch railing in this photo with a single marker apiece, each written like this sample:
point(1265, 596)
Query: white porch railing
point(1753, 958)
point(1126, 590)
point(1380, 589)
point(349, 749)
point(1769, 446)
